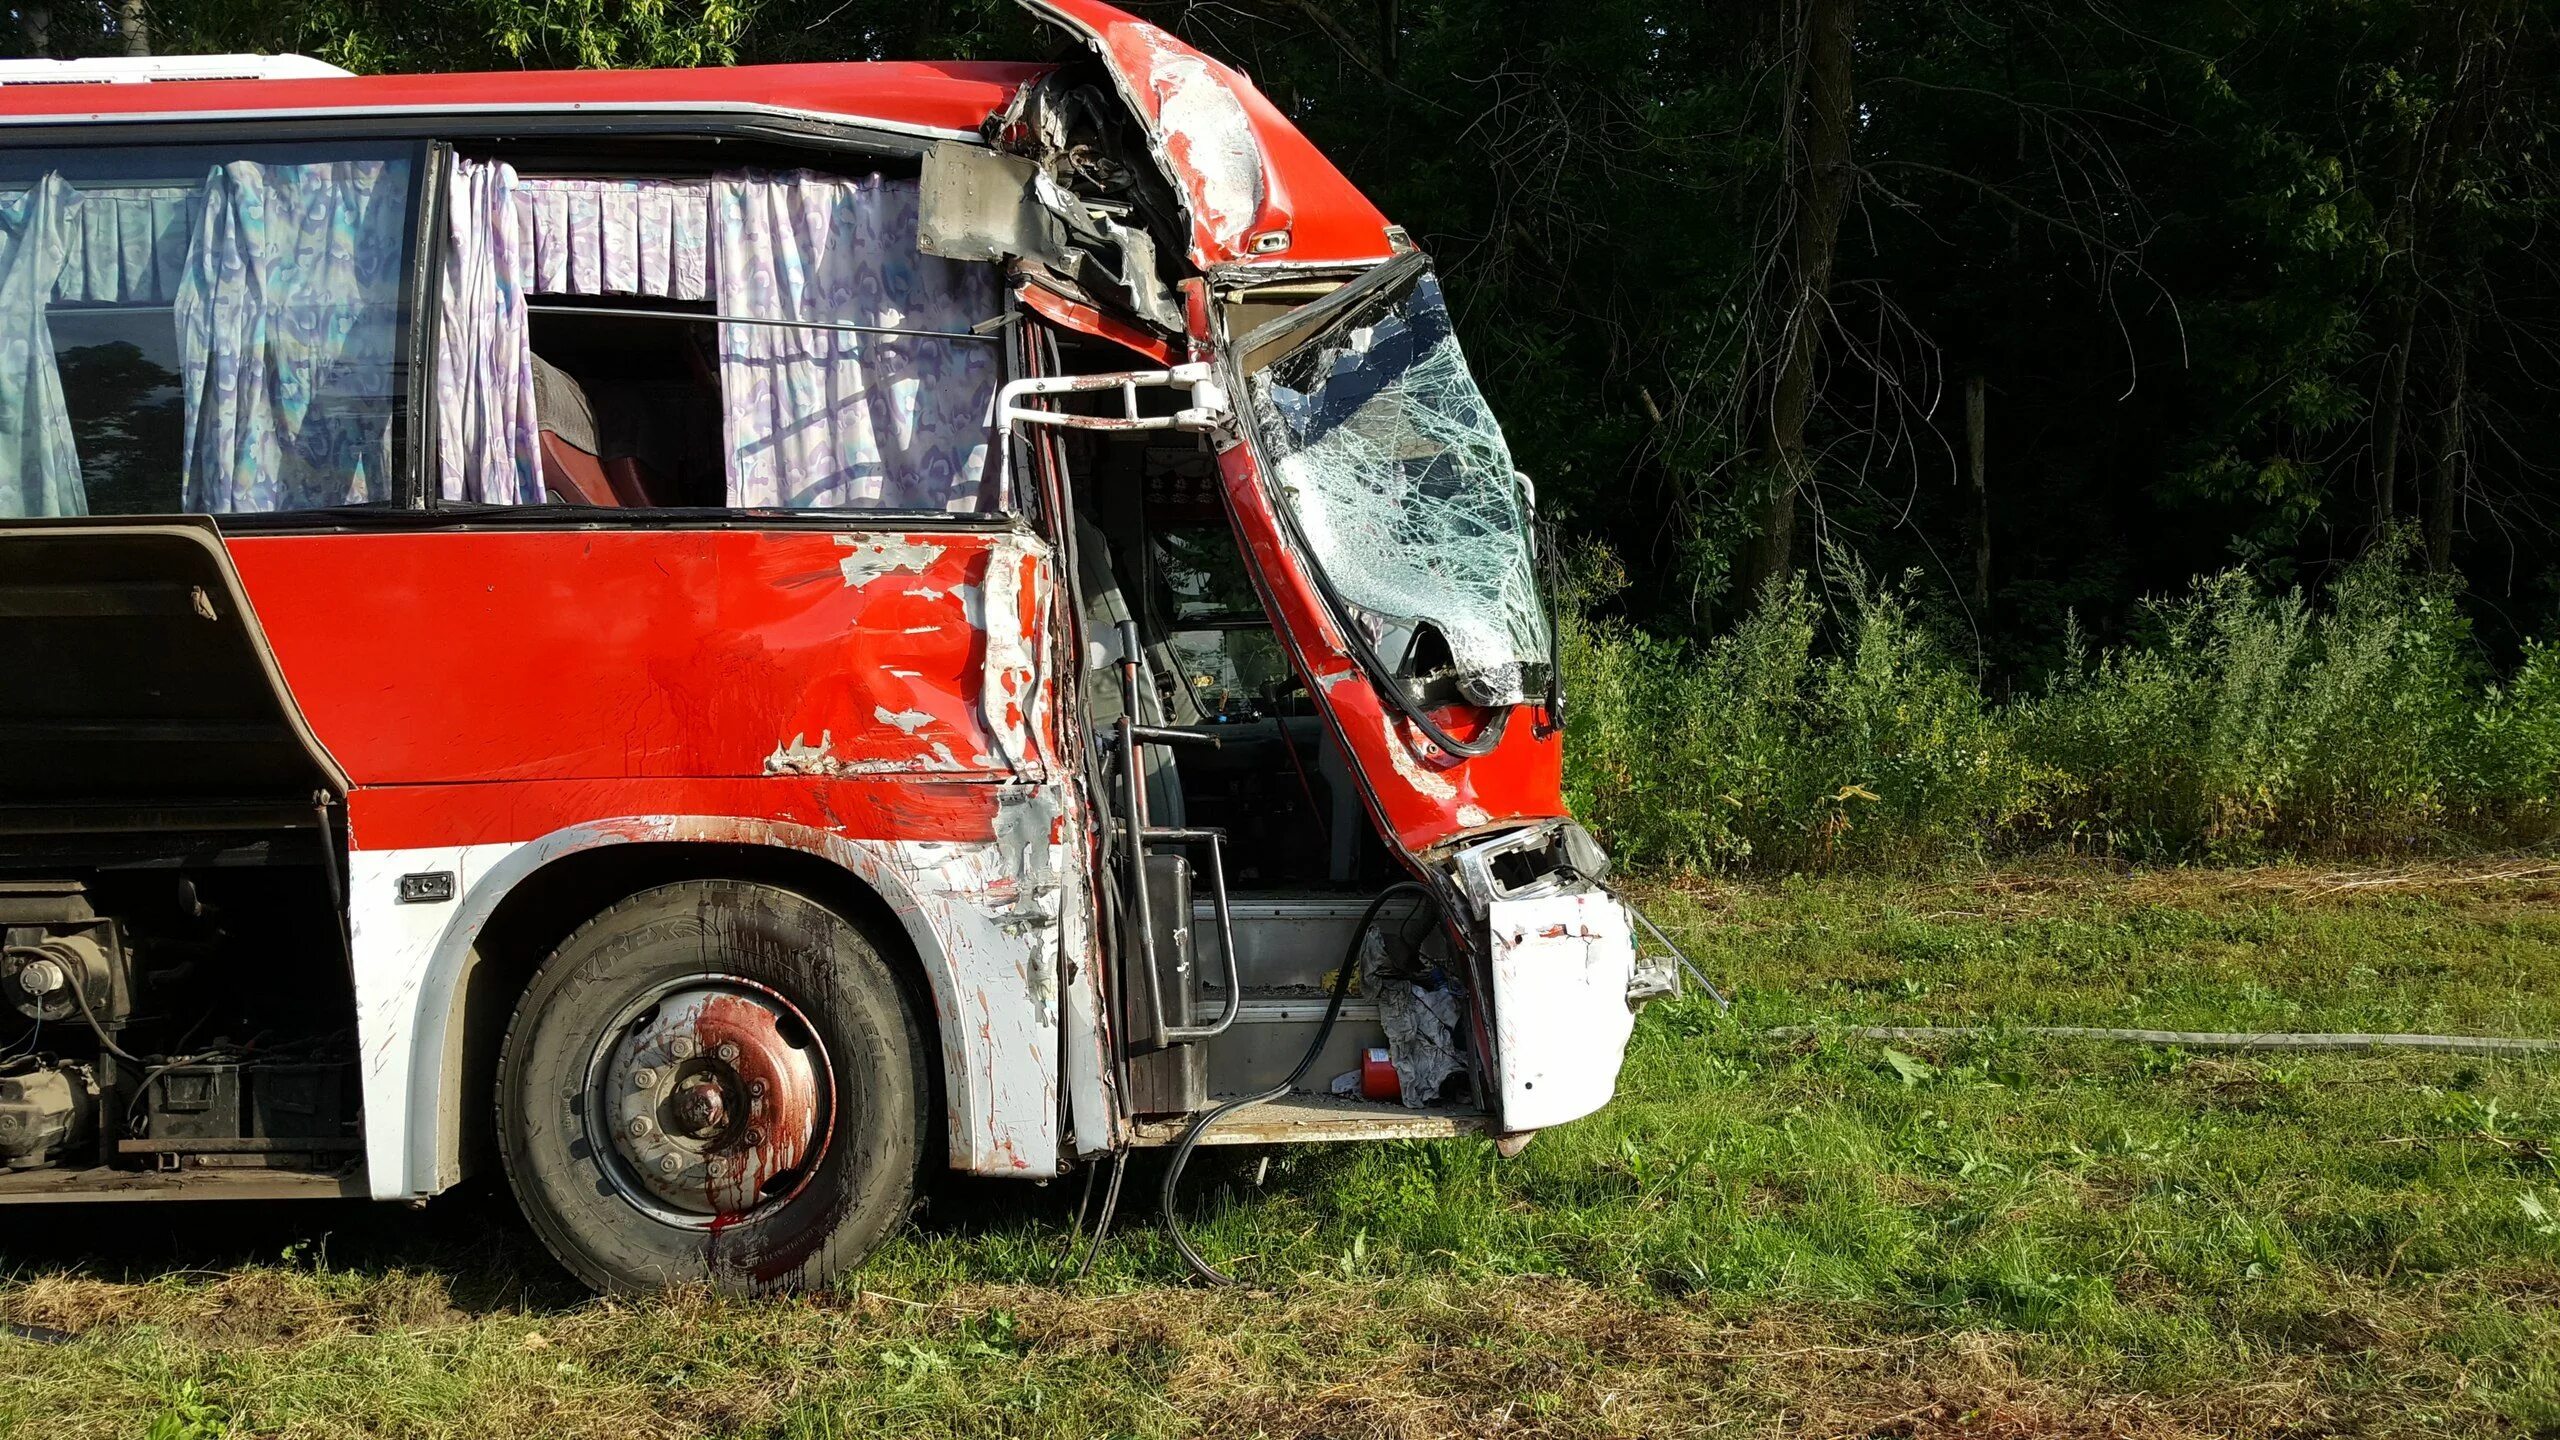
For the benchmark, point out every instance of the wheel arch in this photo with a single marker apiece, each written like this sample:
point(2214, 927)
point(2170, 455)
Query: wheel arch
point(522, 903)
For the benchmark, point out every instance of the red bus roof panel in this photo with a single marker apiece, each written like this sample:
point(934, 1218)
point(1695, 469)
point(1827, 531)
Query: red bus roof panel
point(1258, 192)
point(933, 97)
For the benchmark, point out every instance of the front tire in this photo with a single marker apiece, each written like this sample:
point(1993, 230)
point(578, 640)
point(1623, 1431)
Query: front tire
point(714, 1082)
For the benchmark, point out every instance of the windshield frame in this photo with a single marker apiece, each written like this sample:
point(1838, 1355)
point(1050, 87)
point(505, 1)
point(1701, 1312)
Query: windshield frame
point(1363, 301)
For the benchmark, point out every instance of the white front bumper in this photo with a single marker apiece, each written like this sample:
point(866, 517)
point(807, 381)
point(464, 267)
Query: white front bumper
point(1564, 967)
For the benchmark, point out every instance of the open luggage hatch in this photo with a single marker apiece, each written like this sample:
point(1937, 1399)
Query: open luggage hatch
point(137, 692)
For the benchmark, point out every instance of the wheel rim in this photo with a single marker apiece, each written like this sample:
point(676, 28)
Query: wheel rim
point(715, 1099)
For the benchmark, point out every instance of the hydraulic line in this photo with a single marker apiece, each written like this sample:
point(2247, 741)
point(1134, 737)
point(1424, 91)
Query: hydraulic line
point(1110, 1204)
point(80, 996)
point(1332, 1011)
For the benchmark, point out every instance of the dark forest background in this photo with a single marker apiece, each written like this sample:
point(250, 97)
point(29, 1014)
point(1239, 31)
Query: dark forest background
point(1968, 424)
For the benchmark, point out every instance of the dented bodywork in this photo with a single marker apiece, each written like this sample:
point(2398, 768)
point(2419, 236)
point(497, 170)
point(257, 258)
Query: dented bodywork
point(898, 696)
point(879, 698)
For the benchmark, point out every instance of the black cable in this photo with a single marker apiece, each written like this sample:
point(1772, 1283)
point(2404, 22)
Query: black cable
point(71, 972)
point(337, 884)
point(1332, 1011)
point(1110, 1204)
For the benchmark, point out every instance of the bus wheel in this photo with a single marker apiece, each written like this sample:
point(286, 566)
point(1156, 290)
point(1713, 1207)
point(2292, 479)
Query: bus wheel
point(713, 1082)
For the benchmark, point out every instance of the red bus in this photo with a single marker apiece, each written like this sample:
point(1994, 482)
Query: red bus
point(714, 640)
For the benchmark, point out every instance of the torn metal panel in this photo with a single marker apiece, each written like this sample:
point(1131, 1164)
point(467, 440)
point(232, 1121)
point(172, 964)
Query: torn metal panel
point(1562, 965)
point(1255, 193)
point(1016, 617)
point(986, 918)
point(979, 204)
point(1052, 304)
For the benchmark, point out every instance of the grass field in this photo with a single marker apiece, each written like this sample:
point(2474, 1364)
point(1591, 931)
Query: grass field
point(1820, 1237)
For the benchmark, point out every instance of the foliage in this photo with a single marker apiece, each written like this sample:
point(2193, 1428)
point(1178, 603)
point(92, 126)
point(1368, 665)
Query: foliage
point(1752, 749)
point(2248, 290)
point(2244, 721)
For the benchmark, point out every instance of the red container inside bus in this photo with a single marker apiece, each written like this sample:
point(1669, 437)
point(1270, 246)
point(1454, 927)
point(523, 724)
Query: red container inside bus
point(714, 639)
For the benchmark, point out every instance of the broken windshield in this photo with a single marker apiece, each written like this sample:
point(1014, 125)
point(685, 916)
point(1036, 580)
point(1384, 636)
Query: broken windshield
point(1400, 482)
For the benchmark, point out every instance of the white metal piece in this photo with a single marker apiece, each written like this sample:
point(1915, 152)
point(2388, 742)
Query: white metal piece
point(1208, 407)
point(1207, 411)
point(144, 69)
point(1562, 968)
point(1302, 1119)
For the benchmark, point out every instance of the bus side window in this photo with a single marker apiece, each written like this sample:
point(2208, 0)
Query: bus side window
point(210, 328)
point(756, 339)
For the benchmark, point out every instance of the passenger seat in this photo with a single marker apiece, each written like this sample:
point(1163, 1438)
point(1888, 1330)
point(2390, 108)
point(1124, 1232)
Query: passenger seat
point(571, 473)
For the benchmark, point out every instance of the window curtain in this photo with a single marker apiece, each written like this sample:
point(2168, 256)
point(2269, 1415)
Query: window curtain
point(39, 463)
point(288, 328)
point(487, 436)
point(818, 418)
point(581, 235)
point(129, 244)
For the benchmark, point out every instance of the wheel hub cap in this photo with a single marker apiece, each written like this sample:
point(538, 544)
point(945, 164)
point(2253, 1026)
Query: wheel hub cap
point(716, 1099)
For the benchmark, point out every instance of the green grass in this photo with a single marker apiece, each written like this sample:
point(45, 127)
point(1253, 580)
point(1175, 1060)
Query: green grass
point(1985, 1239)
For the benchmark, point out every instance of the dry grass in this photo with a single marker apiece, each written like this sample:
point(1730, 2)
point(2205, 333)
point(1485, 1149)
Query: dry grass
point(2015, 1239)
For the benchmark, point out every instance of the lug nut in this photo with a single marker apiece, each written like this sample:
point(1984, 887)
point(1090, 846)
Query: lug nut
point(755, 1089)
point(754, 1138)
point(668, 1165)
point(728, 1051)
point(644, 1079)
point(681, 1048)
point(640, 1126)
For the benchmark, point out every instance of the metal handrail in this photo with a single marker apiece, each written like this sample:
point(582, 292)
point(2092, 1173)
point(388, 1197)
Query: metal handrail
point(1139, 832)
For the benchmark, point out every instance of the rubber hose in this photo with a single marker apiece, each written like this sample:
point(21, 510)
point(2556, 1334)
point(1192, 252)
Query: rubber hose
point(1332, 1011)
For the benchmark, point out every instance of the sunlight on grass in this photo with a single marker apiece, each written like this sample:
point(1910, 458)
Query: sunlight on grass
point(1810, 1236)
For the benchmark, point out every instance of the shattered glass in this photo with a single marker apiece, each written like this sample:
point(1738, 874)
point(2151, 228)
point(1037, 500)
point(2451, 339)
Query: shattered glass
point(1400, 480)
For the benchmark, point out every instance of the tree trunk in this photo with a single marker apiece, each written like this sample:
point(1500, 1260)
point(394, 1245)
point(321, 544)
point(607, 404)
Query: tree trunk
point(36, 21)
point(2453, 441)
point(1820, 177)
point(136, 28)
point(1974, 426)
point(2389, 403)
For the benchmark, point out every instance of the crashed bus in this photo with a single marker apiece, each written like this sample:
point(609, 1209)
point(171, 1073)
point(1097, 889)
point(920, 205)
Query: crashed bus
point(715, 642)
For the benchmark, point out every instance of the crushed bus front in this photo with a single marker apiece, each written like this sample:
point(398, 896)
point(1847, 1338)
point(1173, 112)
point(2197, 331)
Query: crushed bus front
point(709, 639)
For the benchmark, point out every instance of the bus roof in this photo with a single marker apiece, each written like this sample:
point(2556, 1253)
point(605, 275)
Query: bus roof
point(923, 97)
point(1259, 196)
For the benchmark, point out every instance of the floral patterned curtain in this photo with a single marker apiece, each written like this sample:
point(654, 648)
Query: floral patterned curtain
point(485, 425)
point(834, 418)
point(39, 463)
point(129, 244)
point(288, 328)
point(582, 235)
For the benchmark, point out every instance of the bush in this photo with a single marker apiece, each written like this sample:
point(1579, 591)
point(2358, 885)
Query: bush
point(1755, 750)
point(2242, 722)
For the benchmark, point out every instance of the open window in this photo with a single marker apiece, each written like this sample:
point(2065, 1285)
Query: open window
point(763, 338)
point(208, 328)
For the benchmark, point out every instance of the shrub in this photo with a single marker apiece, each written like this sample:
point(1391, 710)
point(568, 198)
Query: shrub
point(1754, 749)
point(2241, 722)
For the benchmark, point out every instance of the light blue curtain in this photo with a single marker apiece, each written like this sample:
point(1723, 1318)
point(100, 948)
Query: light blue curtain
point(834, 418)
point(39, 464)
point(288, 335)
point(129, 244)
point(486, 430)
